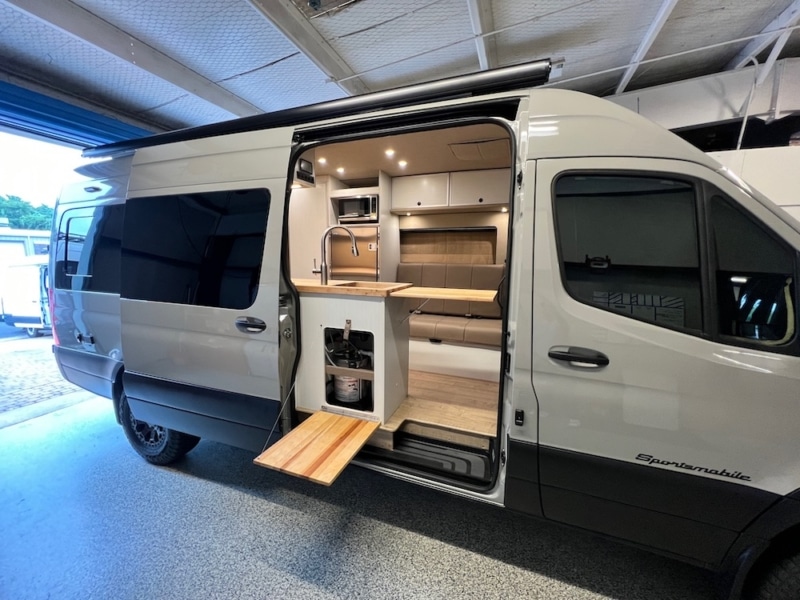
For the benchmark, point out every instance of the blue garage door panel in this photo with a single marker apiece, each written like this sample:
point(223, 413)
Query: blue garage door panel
point(35, 113)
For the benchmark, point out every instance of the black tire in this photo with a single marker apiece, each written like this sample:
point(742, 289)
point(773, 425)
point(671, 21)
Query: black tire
point(780, 581)
point(33, 332)
point(157, 445)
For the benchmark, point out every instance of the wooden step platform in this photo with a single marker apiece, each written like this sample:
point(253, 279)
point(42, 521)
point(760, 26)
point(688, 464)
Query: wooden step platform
point(319, 448)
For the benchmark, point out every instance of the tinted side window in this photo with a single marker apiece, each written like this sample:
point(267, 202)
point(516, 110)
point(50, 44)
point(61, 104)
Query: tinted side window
point(629, 244)
point(88, 249)
point(754, 278)
point(203, 249)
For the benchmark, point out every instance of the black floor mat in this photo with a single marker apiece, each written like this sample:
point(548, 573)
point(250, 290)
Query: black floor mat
point(447, 460)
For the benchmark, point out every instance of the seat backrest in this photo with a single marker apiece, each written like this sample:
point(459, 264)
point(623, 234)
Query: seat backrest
point(466, 276)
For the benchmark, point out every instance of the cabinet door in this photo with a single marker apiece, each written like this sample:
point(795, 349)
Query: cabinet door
point(477, 188)
point(420, 191)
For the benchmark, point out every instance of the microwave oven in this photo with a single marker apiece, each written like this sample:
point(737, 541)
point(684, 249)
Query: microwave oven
point(358, 209)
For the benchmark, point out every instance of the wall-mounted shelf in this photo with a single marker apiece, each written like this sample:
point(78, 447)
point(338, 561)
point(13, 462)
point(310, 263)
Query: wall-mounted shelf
point(366, 374)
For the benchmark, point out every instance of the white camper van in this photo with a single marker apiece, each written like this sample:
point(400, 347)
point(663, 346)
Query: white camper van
point(531, 298)
point(23, 295)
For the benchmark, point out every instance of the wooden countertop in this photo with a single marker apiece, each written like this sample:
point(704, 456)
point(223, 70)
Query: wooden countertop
point(340, 287)
point(445, 294)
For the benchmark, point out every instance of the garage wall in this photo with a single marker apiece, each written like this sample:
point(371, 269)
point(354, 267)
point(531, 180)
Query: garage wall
point(775, 172)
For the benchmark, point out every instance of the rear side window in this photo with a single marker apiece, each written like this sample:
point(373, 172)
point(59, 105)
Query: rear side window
point(629, 244)
point(87, 254)
point(203, 249)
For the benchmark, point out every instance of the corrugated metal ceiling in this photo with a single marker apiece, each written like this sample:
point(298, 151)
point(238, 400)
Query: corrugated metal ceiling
point(167, 65)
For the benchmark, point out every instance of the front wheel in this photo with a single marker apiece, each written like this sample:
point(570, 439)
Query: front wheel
point(156, 444)
point(780, 581)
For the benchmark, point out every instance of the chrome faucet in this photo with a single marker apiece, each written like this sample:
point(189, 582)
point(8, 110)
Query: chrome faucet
point(323, 267)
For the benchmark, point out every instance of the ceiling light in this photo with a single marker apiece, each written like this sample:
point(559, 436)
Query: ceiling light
point(402, 163)
point(340, 170)
point(408, 214)
point(390, 153)
point(504, 209)
point(322, 160)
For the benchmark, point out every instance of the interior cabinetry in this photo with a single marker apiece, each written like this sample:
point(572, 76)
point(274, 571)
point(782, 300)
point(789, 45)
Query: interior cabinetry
point(485, 187)
point(477, 188)
point(420, 191)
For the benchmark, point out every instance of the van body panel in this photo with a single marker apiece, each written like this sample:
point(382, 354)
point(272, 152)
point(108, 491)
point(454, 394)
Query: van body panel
point(91, 371)
point(566, 124)
point(86, 324)
point(21, 287)
point(196, 346)
point(667, 398)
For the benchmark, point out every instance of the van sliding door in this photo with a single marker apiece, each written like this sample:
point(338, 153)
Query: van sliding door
point(200, 284)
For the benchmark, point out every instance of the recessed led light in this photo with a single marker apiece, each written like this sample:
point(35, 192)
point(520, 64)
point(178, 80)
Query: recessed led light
point(504, 209)
point(408, 214)
point(402, 163)
point(340, 170)
point(390, 153)
point(322, 160)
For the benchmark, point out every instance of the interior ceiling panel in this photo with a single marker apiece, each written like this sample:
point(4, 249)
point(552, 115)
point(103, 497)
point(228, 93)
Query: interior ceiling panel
point(166, 65)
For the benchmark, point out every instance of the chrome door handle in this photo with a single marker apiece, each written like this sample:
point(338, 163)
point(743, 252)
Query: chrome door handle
point(250, 325)
point(585, 358)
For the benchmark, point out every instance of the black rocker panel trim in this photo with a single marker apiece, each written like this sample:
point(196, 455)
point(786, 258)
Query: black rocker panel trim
point(522, 478)
point(682, 538)
point(226, 432)
point(718, 503)
point(226, 406)
point(93, 372)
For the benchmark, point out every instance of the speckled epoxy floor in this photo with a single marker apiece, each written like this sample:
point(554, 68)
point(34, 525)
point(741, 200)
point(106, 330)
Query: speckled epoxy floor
point(82, 516)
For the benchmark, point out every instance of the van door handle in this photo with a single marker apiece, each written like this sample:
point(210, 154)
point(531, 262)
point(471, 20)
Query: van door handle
point(579, 357)
point(250, 325)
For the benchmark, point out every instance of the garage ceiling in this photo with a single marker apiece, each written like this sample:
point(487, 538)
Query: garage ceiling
point(167, 65)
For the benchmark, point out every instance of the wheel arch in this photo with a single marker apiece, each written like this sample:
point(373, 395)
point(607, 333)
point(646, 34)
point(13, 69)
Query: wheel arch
point(775, 533)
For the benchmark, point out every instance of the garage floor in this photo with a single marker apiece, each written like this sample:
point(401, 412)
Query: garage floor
point(83, 516)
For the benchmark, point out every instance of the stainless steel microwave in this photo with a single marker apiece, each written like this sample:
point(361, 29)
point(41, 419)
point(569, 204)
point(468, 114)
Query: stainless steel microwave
point(358, 209)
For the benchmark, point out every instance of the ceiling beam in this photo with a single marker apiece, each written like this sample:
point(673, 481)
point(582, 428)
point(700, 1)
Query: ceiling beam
point(788, 18)
point(480, 14)
point(90, 29)
point(663, 14)
point(292, 23)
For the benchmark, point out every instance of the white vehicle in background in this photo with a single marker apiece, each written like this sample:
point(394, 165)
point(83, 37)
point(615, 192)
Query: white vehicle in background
point(23, 294)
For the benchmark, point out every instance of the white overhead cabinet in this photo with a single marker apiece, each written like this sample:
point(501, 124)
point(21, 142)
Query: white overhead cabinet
point(420, 191)
point(477, 188)
point(459, 189)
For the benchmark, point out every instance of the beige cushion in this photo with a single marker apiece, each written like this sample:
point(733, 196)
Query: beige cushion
point(486, 332)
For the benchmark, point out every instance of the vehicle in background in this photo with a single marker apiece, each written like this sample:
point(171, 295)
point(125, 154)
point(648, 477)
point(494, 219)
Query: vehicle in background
point(23, 295)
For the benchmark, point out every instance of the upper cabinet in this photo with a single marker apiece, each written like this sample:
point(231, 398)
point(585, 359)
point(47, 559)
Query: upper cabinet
point(476, 188)
point(420, 191)
point(461, 189)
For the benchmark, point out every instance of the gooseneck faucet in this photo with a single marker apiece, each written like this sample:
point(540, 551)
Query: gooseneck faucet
point(323, 268)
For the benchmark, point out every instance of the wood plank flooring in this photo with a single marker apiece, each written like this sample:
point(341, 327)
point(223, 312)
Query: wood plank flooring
point(319, 448)
point(455, 403)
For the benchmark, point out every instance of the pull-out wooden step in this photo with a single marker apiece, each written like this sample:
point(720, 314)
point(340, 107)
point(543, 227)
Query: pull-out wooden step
point(319, 448)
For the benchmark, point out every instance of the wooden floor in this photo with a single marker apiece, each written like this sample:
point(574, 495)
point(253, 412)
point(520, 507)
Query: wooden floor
point(456, 403)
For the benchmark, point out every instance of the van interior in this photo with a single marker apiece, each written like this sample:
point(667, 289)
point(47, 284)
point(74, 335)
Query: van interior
point(441, 223)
